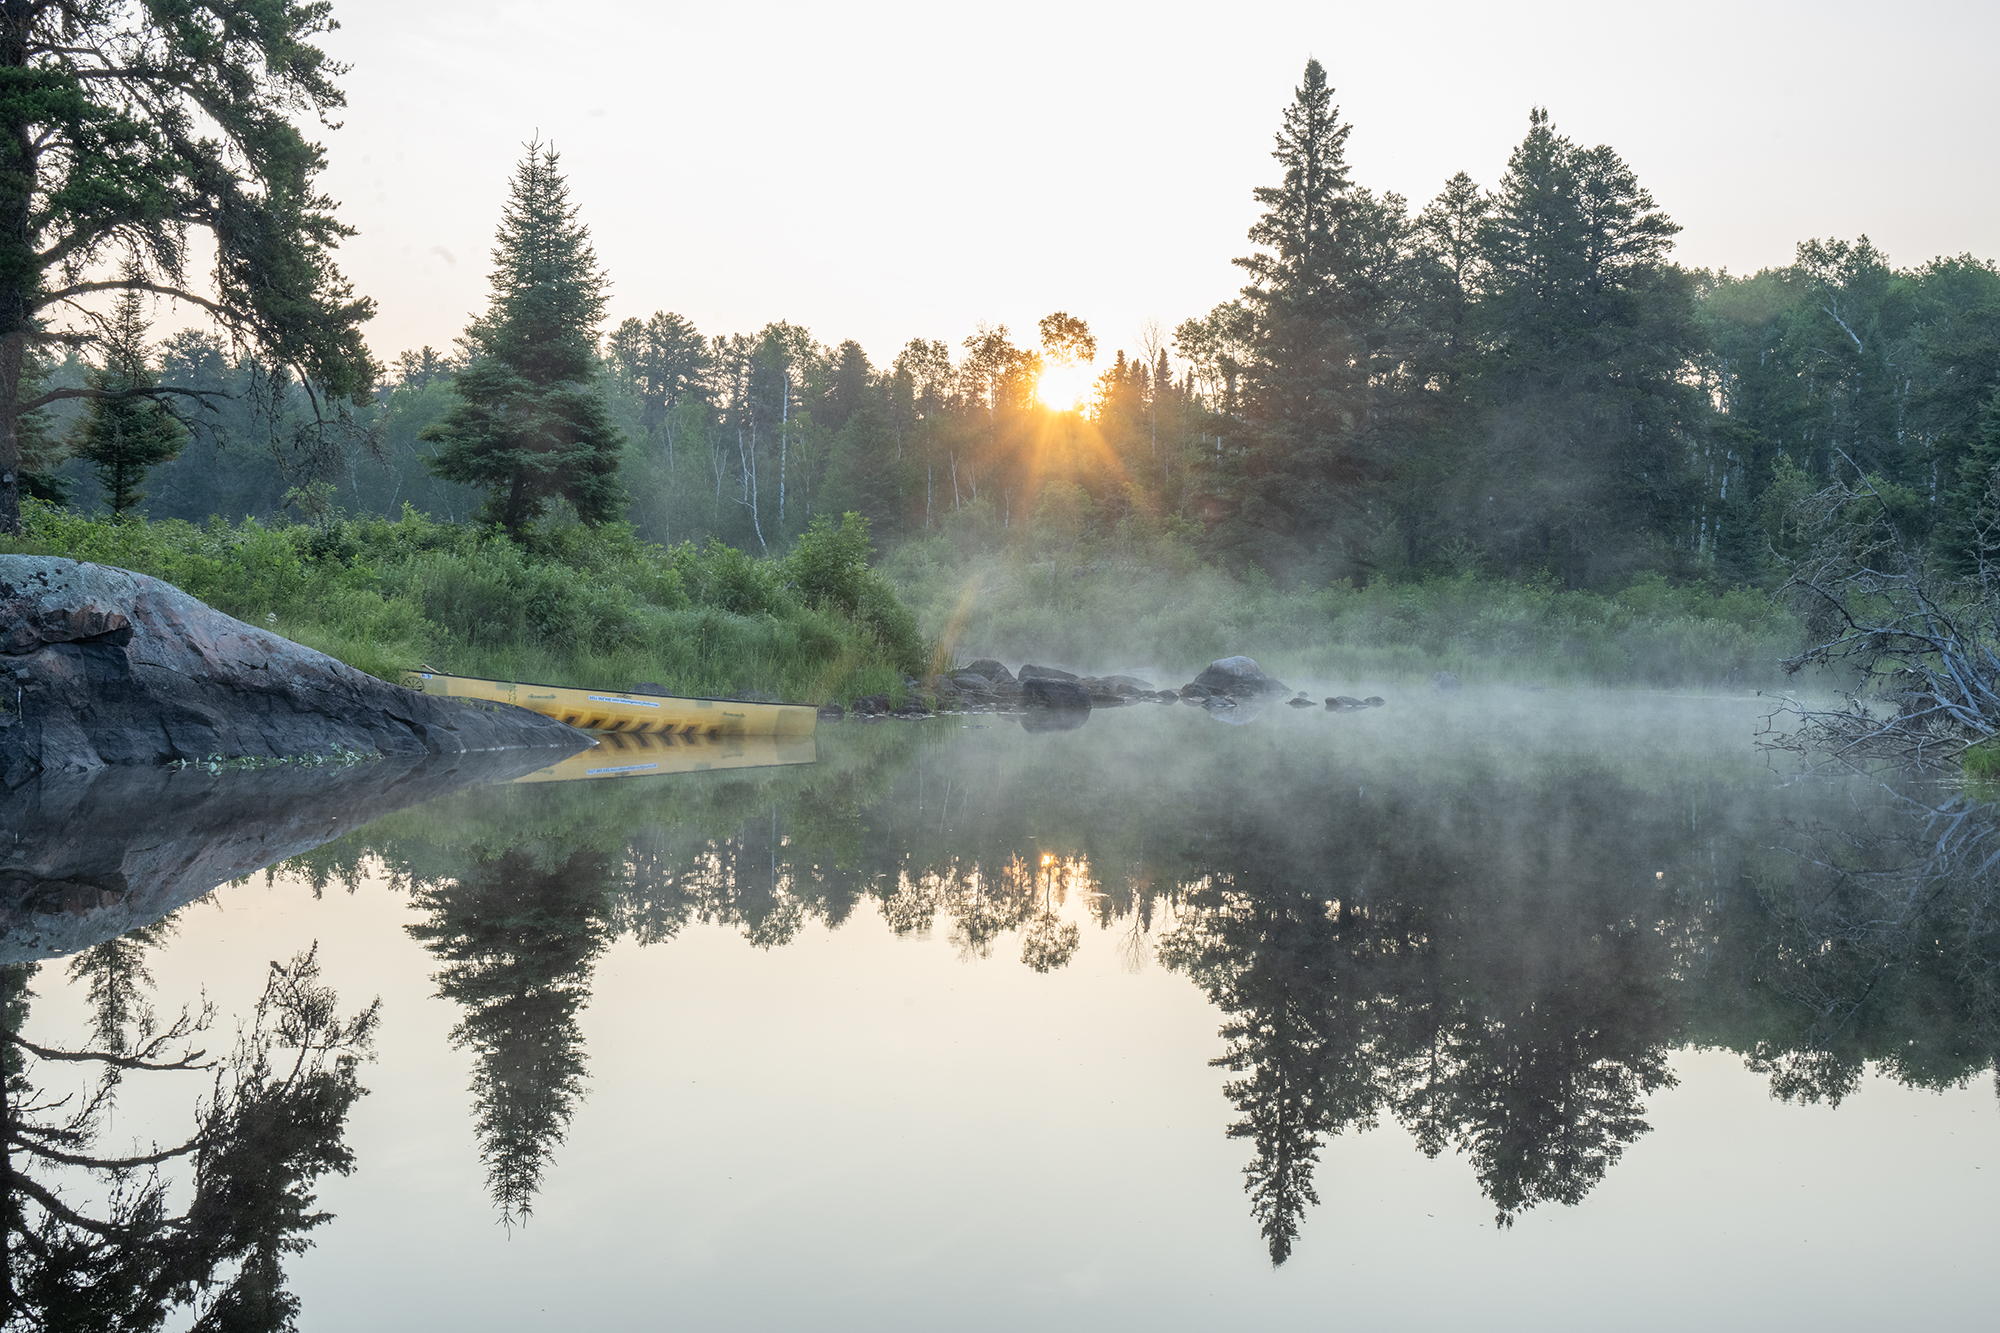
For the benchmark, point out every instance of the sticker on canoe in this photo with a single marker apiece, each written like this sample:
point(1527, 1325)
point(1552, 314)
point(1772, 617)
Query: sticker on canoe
point(629, 768)
point(614, 699)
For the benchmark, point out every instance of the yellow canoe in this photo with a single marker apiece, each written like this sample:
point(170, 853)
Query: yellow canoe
point(630, 714)
point(644, 755)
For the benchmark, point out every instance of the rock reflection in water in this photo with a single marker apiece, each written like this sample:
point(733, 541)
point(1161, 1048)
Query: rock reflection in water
point(96, 866)
point(85, 857)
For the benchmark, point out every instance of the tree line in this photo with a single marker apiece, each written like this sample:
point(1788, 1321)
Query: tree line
point(1509, 381)
point(1515, 381)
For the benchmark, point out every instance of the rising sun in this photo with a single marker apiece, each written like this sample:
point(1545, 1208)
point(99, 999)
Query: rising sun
point(1063, 385)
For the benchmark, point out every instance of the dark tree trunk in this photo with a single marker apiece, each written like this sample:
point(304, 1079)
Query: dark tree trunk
point(19, 271)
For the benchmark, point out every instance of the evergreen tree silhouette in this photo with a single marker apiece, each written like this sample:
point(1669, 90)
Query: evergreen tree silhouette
point(518, 933)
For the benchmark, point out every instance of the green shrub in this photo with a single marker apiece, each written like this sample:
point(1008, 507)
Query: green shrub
point(1982, 763)
point(572, 606)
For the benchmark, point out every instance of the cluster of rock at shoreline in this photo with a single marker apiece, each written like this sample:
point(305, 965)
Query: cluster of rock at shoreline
point(987, 686)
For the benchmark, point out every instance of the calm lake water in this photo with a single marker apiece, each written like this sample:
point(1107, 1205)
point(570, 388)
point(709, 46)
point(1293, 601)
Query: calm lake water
point(1501, 1011)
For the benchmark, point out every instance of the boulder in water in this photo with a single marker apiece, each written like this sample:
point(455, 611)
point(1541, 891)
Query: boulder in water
point(1064, 696)
point(1239, 677)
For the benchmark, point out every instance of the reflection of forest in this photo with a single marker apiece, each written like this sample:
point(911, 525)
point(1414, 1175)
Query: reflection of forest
point(1497, 954)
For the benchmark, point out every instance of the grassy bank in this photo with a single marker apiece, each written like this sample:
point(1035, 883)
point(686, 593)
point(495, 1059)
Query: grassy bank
point(1155, 605)
point(574, 606)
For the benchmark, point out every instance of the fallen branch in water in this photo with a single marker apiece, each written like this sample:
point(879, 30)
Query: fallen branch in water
point(1922, 645)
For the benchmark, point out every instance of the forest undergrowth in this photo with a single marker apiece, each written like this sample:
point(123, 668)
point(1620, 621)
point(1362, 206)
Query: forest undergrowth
point(1149, 602)
point(584, 606)
point(571, 606)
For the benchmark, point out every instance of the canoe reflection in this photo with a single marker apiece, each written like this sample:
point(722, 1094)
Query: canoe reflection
point(644, 755)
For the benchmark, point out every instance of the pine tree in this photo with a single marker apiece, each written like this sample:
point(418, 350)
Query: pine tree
point(1972, 506)
point(1587, 330)
point(531, 425)
point(127, 434)
point(1302, 384)
point(662, 359)
point(165, 133)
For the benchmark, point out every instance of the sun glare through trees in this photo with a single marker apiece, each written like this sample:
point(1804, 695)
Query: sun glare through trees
point(1064, 386)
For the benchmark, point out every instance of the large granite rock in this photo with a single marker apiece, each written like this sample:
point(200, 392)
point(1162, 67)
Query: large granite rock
point(101, 666)
point(1064, 696)
point(994, 672)
point(1239, 678)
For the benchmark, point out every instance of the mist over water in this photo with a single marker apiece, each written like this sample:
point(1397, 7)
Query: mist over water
point(1068, 1025)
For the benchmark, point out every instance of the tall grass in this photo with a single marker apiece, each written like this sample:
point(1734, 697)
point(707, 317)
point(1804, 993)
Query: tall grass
point(577, 606)
point(1154, 605)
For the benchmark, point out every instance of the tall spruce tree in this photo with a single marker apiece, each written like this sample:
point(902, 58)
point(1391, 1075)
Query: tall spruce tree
point(1303, 380)
point(531, 425)
point(127, 433)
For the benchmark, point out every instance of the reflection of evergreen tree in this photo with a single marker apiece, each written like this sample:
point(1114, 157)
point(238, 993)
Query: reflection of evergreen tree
point(272, 1122)
point(1498, 959)
point(117, 977)
point(517, 934)
point(1291, 969)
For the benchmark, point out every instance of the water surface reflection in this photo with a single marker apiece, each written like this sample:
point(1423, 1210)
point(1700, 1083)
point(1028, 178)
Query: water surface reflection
point(1491, 927)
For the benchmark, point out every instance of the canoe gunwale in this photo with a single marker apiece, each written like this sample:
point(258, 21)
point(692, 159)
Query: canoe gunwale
point(622, 713)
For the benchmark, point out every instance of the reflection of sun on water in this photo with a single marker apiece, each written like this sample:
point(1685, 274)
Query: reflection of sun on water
point(1063, 385)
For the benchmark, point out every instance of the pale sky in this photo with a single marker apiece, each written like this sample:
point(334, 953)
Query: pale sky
point(888, 171)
